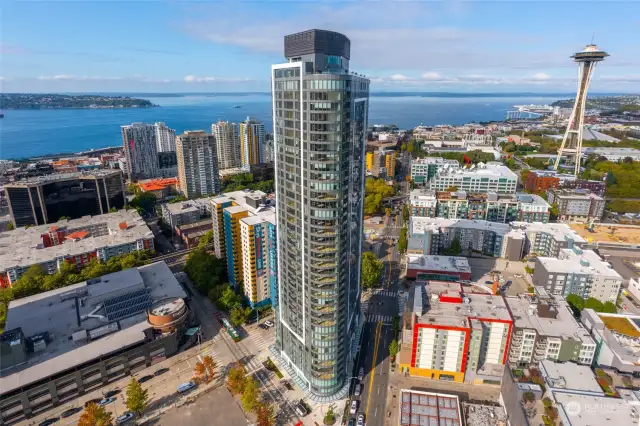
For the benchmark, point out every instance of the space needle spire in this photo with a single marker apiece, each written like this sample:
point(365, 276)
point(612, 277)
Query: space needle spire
point(572, 142)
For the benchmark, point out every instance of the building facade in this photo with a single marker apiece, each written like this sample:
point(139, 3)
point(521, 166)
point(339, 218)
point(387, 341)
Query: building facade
point(227, 144)
point(251, 132)
point(47, 199)
point(490, 177)
point(580, 272)
point(165, 138)
point(197, 164)
point(423, 169)
point(577, 205)
point(141, 150)
point(320, 113)
point(256, 265)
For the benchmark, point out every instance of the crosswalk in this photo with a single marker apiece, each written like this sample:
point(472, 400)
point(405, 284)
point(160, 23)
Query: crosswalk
point(260, 342)
point(386, 319)
point(388, 293)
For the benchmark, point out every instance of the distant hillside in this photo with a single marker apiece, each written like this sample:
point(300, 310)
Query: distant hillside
point(49, 101)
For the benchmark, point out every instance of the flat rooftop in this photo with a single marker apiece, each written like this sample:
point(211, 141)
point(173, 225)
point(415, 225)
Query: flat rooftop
point(570, 376)
point(435, 160)
point(439, 263)
point(420, 225)
point(254, 201)
point(444, 303)
point(484, 415)
point(603, 233)
point(575, 194)
point(526, 315)
point(490, 170)
point(88, 174)
point(254, 220)
point(557, 231)
point(24, 247)
point(87, 320)
point(578, 261)
point(586, 410)
point(428, 409)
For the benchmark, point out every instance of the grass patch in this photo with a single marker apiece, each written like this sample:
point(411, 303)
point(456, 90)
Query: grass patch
point(269, 365)
point(620, 325)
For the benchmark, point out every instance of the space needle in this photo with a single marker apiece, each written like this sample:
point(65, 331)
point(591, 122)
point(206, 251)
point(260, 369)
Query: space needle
point(572, 140)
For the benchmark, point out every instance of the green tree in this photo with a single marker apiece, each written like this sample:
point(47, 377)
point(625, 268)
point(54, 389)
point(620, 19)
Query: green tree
point(455, 248)
point(330, 416)
point(250, 395)
point(137, 397)
point(177, 199)
point(402, 241)
point(113, 210)
point(265, 415)
point(609, 308)
point(387, 211)
point(593, 303)
point(405, 214)
point(10, 226)
point(205, 270)
point(371, 270)
point(146, 201)
point(239, 315)
point(576, 303)
point(553, 212)
point(229, 300)
point(394, 348)
point(206, 239)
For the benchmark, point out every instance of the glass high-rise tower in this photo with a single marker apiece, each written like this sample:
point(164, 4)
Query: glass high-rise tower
point(320, 113)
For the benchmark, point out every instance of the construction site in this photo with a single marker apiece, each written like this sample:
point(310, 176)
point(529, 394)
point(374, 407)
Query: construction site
point(609, 233)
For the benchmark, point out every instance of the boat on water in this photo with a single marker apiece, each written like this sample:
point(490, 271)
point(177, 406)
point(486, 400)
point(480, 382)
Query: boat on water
point(237, 106)
point(1, 115)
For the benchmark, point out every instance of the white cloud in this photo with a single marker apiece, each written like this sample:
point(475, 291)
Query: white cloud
point(399, 77)
point(65, 77)
point(196, 79)
point(431, 76)
point(541, 76)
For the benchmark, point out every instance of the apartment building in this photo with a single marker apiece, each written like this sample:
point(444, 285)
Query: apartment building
point(543, 180)
point(165, 138)
point(251, 135)
point(545, 329)
point(227, 144)
point(423, 169)
point(454, 336)
point(548, 239)
point(197, 164)
point(46, 199)
point(577, 205)
point(480, 178)
point(438, 268)
point(256, 258)
point(483, 206)
point(140, 150)
point(577, 271)
point(185, 212)
point(76, 241)
point(381, 163)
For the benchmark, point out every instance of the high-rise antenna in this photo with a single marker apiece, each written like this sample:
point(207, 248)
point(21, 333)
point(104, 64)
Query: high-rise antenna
point(593, 35)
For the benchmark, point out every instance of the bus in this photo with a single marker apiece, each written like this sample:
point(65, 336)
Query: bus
point(231, 330)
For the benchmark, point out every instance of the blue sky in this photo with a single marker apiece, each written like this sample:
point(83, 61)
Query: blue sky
point(205, 46)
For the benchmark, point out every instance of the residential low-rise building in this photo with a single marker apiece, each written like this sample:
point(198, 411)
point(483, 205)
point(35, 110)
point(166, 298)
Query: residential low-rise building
point(490, 177)
point(428, 408)
point(439, 268)
point(544, 328)
point(191, 233)
point(548, 239)
point(161, 188)
point(454, 336)
point(543, 180)
point(423, 169)
point(75, 241)
point(577, 271)
point(182, 213)
point(569, 377)
point(577, 205)
point(484, 206)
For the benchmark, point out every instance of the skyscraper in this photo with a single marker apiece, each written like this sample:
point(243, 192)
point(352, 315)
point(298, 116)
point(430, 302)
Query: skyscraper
point(226, 134)
point(251, 142)
point(320, 118)
point(572, 141)
point(165, 138)
point(197, 163)
point(141, 150)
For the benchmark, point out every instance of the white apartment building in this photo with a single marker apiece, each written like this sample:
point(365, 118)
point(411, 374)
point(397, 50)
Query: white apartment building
point(490, 177)
point(197, 164)
point(580, 272)
point(545, 329)
point(423, 169)
point(165, 138)
point(227, 144)
point(141, 150)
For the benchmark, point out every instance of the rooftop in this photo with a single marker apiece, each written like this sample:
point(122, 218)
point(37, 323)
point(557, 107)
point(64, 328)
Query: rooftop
point(551, 319)
point(256, 202)
point(587, 410)
point(187, 206)
point(84, 321)
point(420, 225)
point(578, 261)
point(24, 247)
point(89, 174)
point(484, 415)
point(439, 263)
point(436, 160)
point(429, 409)
point(558, 231)
point(490, 170)
point(157, 184)
point(569, 376)
point(443, 303)
point(577, 194)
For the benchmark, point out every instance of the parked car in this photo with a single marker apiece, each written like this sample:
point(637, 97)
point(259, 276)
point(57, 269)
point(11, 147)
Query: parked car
point(111, 393)
point(145, 379)
point(269, 323)
point(287, 385)
point(361, 374)
point(354, 407)
point(49, 421)
point(301, 410)
point(358, 390)
point(124, 418)
point(263, 326)
point(352, 422)
point(92, 401)
point(70, 412)
point(160, 371)
point(360, 419)
point(186, 386)
point(106, 401)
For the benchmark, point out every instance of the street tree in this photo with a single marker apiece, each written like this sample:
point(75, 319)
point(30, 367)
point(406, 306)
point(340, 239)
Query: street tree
point(265, 416)
point(94, 415)
point(371, 270)
point(250, 395)
point(137, 397)
point(236, 379)
point(394, 348)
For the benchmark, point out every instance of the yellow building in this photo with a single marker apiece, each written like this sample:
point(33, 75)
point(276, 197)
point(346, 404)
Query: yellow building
point(370, 161)
point(390, 163)
point(251, 134)
point(255, 257)
point(232, 217)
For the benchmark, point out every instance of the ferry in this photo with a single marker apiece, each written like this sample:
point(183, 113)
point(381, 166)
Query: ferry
point(237, 106)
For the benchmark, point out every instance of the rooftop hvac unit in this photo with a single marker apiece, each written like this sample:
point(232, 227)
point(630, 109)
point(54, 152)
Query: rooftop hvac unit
point(39, 345)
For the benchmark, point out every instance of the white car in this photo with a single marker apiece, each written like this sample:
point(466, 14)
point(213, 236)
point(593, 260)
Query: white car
point(358, 390)
point(269, 323)
point(124, 418)
point(354, 407)
point(360, 420)
point(106, 401)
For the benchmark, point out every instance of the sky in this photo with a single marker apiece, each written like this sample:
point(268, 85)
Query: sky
point(218, 46)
